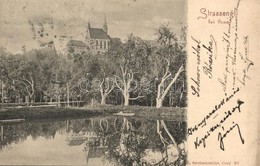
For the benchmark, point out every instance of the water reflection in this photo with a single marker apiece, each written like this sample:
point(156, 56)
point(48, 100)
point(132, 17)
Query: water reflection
point(95, 141)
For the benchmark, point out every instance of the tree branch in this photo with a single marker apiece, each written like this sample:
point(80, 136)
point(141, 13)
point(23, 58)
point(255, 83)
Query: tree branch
point(101, 87)
point(108, 85)
point(27, 89)
point(112, 87)
point(118, 84)
point(169, 134)
point(122, 70)
point(181, 69)
point(160, 134)
point(135, 98)
point(167, 70)
point(24, 79)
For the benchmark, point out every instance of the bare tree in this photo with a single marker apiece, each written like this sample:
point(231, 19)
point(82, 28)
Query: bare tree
point(167, 62)
point(130, 64)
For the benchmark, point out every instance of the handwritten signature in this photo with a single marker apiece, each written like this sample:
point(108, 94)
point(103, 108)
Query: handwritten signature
point(211, 51)
point(228, 114)
point(222, 137)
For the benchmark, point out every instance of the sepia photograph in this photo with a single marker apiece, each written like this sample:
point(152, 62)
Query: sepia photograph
point(95, 83)
point(223, 82)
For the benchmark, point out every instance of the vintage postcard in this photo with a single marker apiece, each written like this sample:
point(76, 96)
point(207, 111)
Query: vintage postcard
point(223, 83)
point(129, 82)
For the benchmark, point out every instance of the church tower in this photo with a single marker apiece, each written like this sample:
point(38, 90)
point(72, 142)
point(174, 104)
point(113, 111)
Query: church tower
point(88, 25)
point(87, 35)
point(105, 25)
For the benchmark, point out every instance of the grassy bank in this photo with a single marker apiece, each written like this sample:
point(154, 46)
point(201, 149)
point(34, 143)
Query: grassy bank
point(51, 113)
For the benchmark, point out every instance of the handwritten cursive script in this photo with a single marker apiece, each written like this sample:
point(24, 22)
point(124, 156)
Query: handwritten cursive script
point(208, 66)
point(196, 51)
point(222, 137)
point(210, 114)
point(228, 114)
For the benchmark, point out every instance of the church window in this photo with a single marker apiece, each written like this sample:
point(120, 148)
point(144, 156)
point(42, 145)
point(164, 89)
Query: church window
point(100, 44)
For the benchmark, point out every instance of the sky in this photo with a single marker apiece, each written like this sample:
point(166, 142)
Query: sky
point(70, 17)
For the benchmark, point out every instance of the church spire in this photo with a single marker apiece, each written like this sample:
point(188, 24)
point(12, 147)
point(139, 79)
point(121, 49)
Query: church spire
point(105, 24)
point(88, 24)
point(88, 30)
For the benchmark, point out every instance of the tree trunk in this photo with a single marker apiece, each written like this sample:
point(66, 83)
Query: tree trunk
point(103, 99)
point(68, 94)
point(59, 101)
point(40, 97)
point(159, 99)
point(161, 92)
point(31, 97)
point(126, 98)
point(2, 95)
point(126, 102)
point(159, 103)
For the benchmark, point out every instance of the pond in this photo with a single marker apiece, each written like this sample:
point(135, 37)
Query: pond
point(112, 140)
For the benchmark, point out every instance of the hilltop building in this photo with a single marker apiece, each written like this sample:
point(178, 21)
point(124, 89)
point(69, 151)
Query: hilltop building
point(96, 41)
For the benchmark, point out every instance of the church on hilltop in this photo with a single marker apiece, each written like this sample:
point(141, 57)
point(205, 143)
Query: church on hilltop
point(96, 41)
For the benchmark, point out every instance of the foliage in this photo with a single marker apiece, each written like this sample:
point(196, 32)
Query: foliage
point(134, 72)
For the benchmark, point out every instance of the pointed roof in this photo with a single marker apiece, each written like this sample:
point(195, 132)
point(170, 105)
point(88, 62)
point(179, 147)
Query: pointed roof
point(97, 33)
point(105, 24)
point(105, 19)
point(76, 43)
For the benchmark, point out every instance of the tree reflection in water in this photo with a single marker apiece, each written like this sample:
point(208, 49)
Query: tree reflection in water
point(118, 140)
point(147, 142)
point(17, 133)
